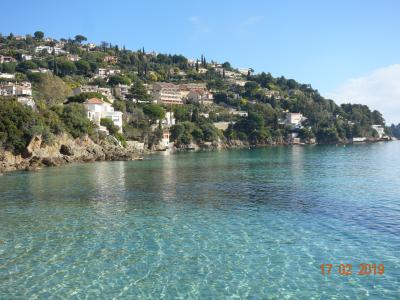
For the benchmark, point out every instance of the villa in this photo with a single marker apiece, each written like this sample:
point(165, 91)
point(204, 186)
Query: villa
point(379, 129)
point(6, 59)
point(294, 120)
point(98, 109)
point(166, 93)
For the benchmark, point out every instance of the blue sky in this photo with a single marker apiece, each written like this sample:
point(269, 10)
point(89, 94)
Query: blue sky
point(330, 44)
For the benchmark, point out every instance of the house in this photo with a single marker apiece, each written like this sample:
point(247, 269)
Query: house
point(168, 120)
point(20, 37)
point(26, 57)
point(107, 72)
point(110, 59)
point(246, 71)
point(13, 89)
point(270, 93)
point(6, 59)
point(164, 143)
point(49, 50)
point(294, 120)
point(40, 70)
point(379, 129)
point(7, 76)
point(121, 91)
point(26, 100)
point(166, 93)
point(202, 96)
point(73, 57)
point(202, 70)
point(107, 92)
point(239, 113)
point(98, 109)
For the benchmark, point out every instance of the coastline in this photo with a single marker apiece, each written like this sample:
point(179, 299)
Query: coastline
point(65, 150)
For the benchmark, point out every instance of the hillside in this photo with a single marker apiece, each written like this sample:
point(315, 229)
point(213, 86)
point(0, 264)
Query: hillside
point(55, 78)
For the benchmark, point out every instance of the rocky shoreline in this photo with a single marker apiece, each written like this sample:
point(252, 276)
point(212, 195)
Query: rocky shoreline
point(65, 150)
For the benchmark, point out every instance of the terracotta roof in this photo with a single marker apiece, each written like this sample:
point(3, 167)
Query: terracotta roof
point(94, 101)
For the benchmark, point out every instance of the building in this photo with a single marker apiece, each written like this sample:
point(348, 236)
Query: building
point(14, 89)
point(107, 72)
point(379, 129)
point(26, 57)
point(245, 71)
point(73, 57)
point(6, 59)
point(98, 109)
point(26, 100)
point(121, 91)
point(166, 93)
point(168, 120)
point(110, 59)
point(49, 50)
point(106, 92)
point(201, 96)
point(164, 143)
point(294, 120)
point(7, 76)
point(239, 113)
point(270, 93)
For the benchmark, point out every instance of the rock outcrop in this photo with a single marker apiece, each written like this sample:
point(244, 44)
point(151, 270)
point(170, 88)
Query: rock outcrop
point(62, 151)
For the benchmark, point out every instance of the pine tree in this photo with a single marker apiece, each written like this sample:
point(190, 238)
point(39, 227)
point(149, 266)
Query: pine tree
point(197, 65)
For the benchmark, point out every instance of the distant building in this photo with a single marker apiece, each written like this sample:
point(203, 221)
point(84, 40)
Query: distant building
point(294, 120)
point(49, 50)
point(98, 109)
point(26, 57)
point(107, 72)
point(201, 96)
point(379, 129)
point(6, 59)
point(245, 71)
point(107, 92)
point(73, 57)
point(14, 89)
point(121, 91)
point(168, 120)
point(166, 93)
point(7, 76)
point(111, 59)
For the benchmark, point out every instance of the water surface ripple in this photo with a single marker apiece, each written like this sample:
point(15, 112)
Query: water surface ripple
point(248, 224)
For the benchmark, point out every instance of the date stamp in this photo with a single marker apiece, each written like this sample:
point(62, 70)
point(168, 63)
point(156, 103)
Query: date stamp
point(364, 269)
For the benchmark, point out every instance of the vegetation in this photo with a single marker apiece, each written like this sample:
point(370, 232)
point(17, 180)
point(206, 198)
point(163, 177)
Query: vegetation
point(265, 98)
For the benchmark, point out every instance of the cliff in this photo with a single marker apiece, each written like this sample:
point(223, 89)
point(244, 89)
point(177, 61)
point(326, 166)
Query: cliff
point(64, 150)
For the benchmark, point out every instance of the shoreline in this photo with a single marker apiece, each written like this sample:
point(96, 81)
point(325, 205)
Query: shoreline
point(68, 151)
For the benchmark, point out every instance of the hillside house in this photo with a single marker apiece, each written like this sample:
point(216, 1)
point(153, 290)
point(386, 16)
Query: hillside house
point(98, 109)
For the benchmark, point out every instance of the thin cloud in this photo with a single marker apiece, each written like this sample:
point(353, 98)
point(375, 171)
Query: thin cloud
point(379, 90)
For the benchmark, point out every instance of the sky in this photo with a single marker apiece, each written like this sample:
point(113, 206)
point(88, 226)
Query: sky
point(347, 49)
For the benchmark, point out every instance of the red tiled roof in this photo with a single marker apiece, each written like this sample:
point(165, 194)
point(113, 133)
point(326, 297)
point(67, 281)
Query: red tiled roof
point(94, 101)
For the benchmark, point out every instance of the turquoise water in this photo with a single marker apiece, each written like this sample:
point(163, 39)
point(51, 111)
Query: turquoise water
point(244, 224)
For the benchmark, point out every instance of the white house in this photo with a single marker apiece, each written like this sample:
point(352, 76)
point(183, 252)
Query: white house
point(26, 57)
point(294, 120)
point(168, 120)
point(98, 109)
point(6, 59)
point(379, 129)
point(245, 71)
point(107, 72)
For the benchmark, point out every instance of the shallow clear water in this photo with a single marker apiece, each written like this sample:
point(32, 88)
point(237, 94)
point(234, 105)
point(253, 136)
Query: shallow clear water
point(251, 224)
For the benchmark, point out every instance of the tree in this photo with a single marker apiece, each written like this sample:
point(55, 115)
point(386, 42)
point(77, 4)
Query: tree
point(80, 38)
point(24, 66)
point(18, 124)
point(154, 112)
point(52, 89)
point(138, 91)
point(76, 122)
point(66, 67)
point(38, 35)
point(118, 79)
point(82, 67)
